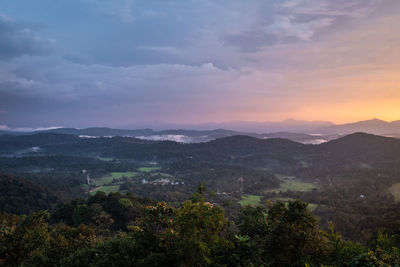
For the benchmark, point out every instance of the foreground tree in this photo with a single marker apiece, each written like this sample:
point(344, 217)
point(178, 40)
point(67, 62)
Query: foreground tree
point(200, 233)
point(284, 234)
point(196, 233)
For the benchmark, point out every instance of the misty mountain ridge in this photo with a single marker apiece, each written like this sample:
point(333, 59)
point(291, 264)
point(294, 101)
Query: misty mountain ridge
point(373, 126)
point(180, 136)
point(288, 125)
point(307, 132)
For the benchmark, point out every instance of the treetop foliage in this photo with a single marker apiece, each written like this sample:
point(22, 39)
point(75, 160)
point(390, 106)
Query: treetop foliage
point(122, 230)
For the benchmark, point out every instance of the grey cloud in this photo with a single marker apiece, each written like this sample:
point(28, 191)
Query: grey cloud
point(299, 20)
point(121, 9)
point(17, 40)
point(349, 8)
point(62, 84)
point(304, 18)
point(94, 93)
point(250, 41)
point(287, 27)
point(162, 49)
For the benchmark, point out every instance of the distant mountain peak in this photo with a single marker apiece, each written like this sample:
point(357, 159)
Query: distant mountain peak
point(374, 126)
point(375, 120)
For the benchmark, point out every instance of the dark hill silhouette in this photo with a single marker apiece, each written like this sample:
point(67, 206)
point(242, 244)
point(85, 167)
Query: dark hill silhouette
point(101, 131)
point(13, 143)
point(358, 148)
point(253, 144)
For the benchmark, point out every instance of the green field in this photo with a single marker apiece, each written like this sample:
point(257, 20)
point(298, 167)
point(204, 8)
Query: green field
point(166, 175)
point(85, 187)
point(311, 206)
point(114, 175)
point(107, 189)
point(105, 159)
point(123, 174)
point(283, 199)
point(251, 200)
point(148, 169)
point(290, 183)
point(296, 186)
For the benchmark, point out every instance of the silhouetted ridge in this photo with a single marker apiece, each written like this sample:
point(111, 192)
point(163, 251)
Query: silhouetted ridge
point(248, 140)
point(358, 148)
point(101, 131)
point(35, 140)
point(247, 144)
point(375, 126)
point(361, 139)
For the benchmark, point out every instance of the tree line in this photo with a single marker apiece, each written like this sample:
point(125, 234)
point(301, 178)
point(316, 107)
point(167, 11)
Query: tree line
point(124, 230)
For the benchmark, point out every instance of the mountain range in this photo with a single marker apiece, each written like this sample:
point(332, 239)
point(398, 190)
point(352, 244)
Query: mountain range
point(374, 126)
point(307, 132)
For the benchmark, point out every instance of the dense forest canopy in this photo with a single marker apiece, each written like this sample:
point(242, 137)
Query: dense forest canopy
point(123, 230)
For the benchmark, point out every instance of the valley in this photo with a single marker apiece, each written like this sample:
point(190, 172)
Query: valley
point(342, 179)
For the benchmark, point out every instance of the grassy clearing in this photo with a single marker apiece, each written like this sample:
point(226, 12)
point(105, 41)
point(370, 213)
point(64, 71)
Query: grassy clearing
point(85, 187)
point(148, 169)
point(304, 164)
point(365, 165)
point(296, 186)
point(311, 206)
point(110, 188)
point(395, 191)
point(123, 174)
point(251, 200)
point(285, 177)
point(107, 189)
point(284, 199)
point(114, 175)
point(290, 183)
point(105, 158)
point(166, 175)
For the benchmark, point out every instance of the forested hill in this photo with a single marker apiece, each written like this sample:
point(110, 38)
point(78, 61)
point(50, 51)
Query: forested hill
point(355, 146)
point(362, 142)
point(21, 196)
point(359, 148)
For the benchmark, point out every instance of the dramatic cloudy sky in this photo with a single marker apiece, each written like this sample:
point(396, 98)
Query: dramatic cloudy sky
point(123, 62)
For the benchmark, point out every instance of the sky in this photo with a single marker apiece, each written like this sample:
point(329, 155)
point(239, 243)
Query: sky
point(121, 63)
